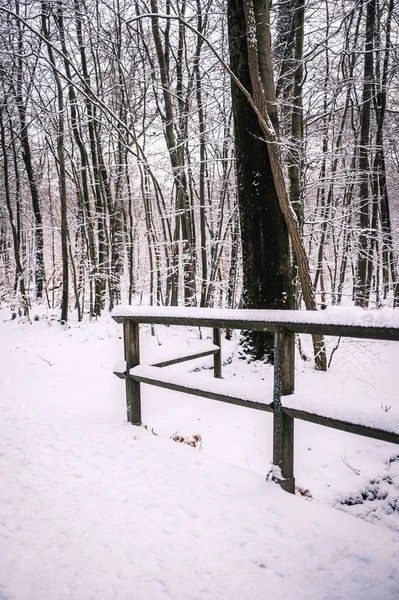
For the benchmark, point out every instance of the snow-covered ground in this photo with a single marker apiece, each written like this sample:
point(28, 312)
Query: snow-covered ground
point(93, 508)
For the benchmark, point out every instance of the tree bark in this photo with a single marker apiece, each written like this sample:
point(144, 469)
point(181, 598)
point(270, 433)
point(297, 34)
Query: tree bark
point(27, 158)
point(362, 291)
point(19, 275)
point(61, 169)
point(264, 235)
point(274, 154)
point(175, 145)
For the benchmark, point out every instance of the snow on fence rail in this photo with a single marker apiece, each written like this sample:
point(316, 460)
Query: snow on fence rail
point(367, 324)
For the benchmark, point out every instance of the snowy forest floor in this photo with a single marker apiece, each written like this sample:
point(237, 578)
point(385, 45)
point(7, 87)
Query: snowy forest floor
point(93, 508)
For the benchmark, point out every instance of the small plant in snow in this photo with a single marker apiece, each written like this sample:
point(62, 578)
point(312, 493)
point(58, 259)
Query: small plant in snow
point(377, 499)
point(304, 492)
point(346, 463)
point(195, 441)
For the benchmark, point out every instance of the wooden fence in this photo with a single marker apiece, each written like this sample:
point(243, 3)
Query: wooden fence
point(284, 324)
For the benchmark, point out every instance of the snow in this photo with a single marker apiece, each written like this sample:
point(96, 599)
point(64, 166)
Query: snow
point(351, 412)
point(351, 316)
point(94, 508)
point(244, 391)
point(172, 354)
point(120, 367)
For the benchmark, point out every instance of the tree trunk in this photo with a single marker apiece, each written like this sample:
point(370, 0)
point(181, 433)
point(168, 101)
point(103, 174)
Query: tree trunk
point(362, 291)
point(27, 158)
point(84, 166)
point(61, 166)
point(264, 235)
point(19, 276)
point(183, 226)
point(277, 178)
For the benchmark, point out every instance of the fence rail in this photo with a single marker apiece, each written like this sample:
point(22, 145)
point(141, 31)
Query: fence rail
point(284, 324)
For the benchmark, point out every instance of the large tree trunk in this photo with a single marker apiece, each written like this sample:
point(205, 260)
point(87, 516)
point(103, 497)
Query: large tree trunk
point(259, 102)
point(265, 242)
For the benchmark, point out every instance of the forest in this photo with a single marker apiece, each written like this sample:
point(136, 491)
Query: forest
point(198, 152)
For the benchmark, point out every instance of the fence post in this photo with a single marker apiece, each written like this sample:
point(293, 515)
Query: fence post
point(131, 331)
point(283, 425)
point(217, 358)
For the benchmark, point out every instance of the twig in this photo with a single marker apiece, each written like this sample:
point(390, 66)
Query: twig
point(345, 461)
point(45, 360)
point(333, 351)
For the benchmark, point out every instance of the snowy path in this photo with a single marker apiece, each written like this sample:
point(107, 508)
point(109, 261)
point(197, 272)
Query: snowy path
point(92, 508)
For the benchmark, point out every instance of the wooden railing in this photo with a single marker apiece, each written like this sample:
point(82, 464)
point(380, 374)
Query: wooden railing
point(284, 324)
